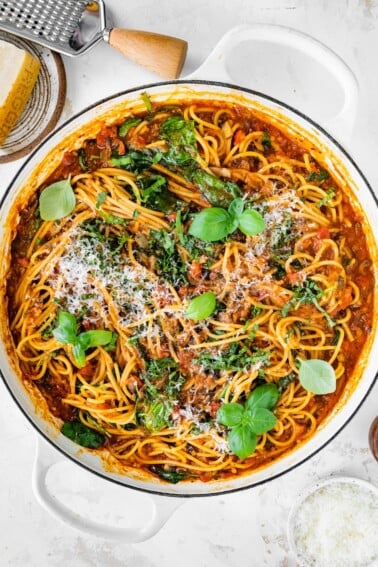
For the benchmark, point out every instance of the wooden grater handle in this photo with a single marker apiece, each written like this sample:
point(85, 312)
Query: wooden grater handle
point(162, 54)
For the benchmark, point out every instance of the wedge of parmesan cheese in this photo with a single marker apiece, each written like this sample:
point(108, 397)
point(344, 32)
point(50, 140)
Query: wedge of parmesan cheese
point(18, 75)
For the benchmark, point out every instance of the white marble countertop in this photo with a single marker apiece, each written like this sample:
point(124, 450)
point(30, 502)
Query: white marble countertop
point(243, 529)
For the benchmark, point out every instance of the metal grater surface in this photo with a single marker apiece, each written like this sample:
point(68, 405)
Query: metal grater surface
point(49, 22)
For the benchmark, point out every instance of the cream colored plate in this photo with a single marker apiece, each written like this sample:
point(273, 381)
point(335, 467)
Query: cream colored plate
point(44, 106)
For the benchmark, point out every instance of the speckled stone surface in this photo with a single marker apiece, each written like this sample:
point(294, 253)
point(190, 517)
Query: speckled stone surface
point(248, 528)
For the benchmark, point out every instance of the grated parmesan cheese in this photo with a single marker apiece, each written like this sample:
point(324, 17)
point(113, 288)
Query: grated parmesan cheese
point(337, 525)
point(83, 269)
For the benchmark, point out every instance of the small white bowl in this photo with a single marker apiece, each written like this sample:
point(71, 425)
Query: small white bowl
point(310, 499)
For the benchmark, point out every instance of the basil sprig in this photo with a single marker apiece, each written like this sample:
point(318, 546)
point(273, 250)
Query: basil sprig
point(66, 333)
point(57, 201)
point(317, 376)
point(215, 223)
point(248, 421)
point(202, 306)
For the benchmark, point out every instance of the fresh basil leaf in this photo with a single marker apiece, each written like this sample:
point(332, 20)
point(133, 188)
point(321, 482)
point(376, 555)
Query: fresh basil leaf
point(235, 210)
point(78, 351)
point(82, 434)
point(260, 419)
point(57, 201)
point(95, 338)
point(111, 345)
point(317, 376)
point(265, 396)
point(202, 306)
point(66, 333)
point(66, 330)
point(242, 440)
point(230, 414)
point(251, 222)
point(236, 207)
point(127, 125)
point(210, 224)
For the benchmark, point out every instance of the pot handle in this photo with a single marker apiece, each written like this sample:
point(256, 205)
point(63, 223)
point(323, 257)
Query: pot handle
point(45, 458)
point(215, 66)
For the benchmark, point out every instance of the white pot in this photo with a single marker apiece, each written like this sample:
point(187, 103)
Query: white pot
point(47, 157)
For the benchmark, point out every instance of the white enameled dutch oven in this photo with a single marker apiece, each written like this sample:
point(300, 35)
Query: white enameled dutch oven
point(330, 152)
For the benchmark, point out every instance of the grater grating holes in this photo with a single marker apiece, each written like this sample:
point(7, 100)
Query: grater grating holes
point(54, 20)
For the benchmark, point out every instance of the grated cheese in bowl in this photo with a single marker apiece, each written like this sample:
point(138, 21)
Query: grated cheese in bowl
point(335, 524)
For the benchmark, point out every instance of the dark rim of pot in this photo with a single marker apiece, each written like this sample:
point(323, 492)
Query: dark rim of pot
point(221, 85)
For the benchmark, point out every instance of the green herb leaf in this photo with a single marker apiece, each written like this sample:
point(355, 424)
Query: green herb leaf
point(210, 224)
point(321, 175)
point(100, 199)
point(265, 396)
point(82, 434)
point(157, 415)
point(170, 265)
point(266, 140)
point(111, 345)
point(317, 376)
point(236, 357)
point(235, 210)
point(308, 292)
point(127, 125)
point(178, 131)
point(260, 419)
point(95, 338)
point(170, 475)
point(251, 420)
point(113, 219)
point(82, 159)
point(155, 193)
point(57, 201)
point(66, 330)
point(251, 222)
point(202, 306)
point(66, 333)
point(230, 414)
point(179, 229)
point(285, 381)
point(78, 351)
point(214, 189)
point(330, 193)
point(122, 161)
point(147, 101)
point(242, 440)
point(136, 160)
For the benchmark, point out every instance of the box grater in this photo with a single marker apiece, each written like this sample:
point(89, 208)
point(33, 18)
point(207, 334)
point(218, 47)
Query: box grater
point(71, 27)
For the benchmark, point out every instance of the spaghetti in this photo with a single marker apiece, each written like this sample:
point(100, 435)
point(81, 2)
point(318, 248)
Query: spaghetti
point(124, 261)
